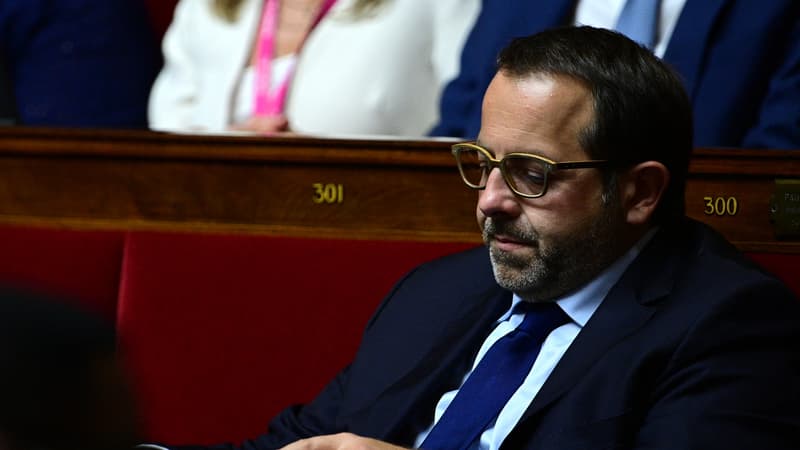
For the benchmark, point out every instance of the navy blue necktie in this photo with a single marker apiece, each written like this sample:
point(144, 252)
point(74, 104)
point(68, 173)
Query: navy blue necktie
point(639, 21)
point(498, 375)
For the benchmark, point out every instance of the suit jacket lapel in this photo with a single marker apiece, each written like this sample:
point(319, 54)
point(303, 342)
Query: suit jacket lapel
point(688, 44)
point(627, 307)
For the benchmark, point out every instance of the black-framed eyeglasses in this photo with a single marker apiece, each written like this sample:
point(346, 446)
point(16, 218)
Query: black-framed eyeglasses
point(524, 173)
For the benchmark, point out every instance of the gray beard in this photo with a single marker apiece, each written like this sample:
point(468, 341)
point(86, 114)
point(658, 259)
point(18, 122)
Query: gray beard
point(564, 266)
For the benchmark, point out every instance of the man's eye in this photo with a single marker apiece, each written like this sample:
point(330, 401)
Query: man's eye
point(534, 177)
point(528, 175)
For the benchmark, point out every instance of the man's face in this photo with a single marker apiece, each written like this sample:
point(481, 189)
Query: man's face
point(543, 248)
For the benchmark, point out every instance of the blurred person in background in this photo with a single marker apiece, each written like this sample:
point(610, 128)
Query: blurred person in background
point(366, 67)
point(739, 60)
point(61, 385)
point(78, 63)
point(8, 108)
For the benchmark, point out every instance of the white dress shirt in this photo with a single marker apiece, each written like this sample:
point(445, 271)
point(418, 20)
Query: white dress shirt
point(604, 14)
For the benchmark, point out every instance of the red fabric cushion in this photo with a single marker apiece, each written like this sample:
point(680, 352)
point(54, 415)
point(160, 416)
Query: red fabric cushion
point(785, 266)
point(83, 266)
point(222, 331)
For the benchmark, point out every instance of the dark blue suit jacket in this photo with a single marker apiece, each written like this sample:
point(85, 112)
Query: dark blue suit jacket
point(740, 60)
point(693, 348)
point(79, 62)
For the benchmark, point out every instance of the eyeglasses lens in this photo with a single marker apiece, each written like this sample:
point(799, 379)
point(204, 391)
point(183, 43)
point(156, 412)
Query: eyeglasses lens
point(473, 165)
point(528, 175)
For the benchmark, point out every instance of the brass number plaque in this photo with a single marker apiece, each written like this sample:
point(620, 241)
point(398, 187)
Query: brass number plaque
point(327, 193)
point(785, 209)
point(721, 206)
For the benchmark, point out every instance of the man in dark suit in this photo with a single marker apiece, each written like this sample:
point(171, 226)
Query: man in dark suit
point(738, 59)
point(668, 337)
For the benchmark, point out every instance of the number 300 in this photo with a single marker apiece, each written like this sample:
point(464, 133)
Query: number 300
point(721, 206)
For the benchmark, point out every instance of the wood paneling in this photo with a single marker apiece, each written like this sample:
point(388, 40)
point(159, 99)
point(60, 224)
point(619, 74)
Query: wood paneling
point(391, 189)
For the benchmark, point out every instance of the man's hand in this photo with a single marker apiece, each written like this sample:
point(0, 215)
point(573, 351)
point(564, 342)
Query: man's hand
point(341, 441)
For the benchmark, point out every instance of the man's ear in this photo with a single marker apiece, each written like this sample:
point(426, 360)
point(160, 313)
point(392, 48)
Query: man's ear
point(641, 188)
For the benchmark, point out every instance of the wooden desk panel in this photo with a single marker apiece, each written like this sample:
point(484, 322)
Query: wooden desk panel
point(375, 189)
point(744, 179)
point(387, 190)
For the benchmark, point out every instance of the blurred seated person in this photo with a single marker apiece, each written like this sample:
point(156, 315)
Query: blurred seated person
point(739, 60)
point(78, 63)
point(366, 67)
point(8, 107)
point(60, 383)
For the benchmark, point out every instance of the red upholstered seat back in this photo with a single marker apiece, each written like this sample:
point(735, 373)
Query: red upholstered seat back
point(224, 331)
point(80, 266)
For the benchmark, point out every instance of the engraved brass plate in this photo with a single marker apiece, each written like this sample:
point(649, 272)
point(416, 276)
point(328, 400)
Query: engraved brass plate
point(785, 209)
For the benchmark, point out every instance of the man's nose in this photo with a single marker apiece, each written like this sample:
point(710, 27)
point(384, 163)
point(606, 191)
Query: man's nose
point(497, 199)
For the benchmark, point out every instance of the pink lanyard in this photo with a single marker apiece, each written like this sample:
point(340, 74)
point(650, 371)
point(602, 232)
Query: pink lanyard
point(267, 104)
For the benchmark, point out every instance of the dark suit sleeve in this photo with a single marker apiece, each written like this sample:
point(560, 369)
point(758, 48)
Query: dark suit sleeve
point(734, 381)
point(778, 123)
point(293, 423)
point(302, 421)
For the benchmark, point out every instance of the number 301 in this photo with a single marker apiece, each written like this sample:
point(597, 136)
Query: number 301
point(327, 193)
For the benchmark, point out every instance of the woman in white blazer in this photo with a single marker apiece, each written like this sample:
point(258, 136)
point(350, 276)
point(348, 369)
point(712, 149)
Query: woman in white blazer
point(370, 67)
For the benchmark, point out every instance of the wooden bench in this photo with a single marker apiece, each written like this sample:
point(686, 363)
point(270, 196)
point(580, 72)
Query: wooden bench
point(209, 251)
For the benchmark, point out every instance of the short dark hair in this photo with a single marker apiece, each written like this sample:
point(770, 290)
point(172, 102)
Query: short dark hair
point(641, 110)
